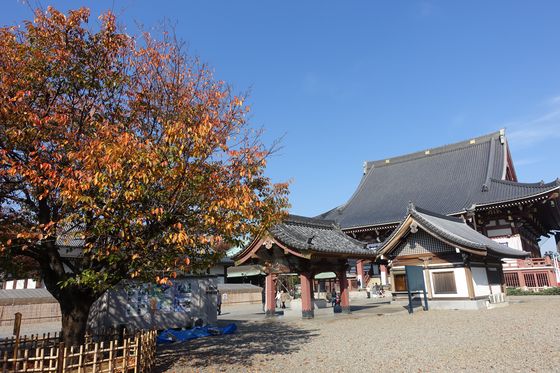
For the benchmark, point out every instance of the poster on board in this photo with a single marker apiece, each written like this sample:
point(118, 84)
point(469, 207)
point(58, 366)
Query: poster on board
point(183, 297)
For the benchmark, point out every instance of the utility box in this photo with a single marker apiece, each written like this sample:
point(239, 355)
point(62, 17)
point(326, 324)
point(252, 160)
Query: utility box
point(138, 305)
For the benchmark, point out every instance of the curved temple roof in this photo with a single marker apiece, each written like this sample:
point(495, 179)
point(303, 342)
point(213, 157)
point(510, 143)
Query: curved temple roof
point(449, 179)
point(317, 235)
point(309, 238)
point(453, 231)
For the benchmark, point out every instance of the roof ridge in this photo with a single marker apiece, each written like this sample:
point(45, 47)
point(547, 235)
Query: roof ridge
point(456, 237)
point(341, 208)
point(540, 184)
point(489, 166)
point(437, 150)
point(437, 215)
point(304, 220)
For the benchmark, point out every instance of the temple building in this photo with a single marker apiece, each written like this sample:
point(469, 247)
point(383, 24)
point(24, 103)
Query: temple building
point(304, 247)
point(461, 267)
point(474, 180)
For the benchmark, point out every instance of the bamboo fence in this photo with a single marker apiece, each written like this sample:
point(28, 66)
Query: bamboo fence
point(120, 354)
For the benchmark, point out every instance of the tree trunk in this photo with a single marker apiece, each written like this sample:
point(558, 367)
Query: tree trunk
point(74, 306)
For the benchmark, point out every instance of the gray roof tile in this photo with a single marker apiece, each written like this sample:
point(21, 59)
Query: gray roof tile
point(456, 231)
point(449, 179)
point(318, 235)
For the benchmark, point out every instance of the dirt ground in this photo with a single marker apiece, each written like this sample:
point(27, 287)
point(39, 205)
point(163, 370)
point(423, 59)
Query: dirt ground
point(523, 337)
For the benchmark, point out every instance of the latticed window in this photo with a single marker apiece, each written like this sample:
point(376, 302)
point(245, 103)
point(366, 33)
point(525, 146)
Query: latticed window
point(512, 279)
point(444, 282)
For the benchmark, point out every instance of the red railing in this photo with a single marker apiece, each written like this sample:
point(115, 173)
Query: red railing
point(528, 263)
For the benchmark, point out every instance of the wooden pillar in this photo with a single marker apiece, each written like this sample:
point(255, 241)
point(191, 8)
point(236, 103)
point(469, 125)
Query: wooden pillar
point(470, 284)
point(427, 277)
point(270, 296)
point(360, 273)
point(344, 293)
point(502, 279)
point(306, 299)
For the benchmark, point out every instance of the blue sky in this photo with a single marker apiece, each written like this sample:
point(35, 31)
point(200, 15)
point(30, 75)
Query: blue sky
point(352, 81)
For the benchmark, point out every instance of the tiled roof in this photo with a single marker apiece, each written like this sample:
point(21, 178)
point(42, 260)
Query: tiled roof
point(25, 296)
point(504, 190)
point(449, 179)
point(456, 232)
point(317, 235)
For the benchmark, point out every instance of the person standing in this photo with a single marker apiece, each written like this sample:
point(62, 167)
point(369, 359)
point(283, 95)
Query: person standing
point(376, 290)
point(284, 297)
point(263, 295)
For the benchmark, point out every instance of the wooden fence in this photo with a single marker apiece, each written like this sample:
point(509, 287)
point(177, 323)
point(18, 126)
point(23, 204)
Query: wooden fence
point(133, 353)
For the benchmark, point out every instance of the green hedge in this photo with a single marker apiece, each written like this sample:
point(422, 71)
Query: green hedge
point(547, 291)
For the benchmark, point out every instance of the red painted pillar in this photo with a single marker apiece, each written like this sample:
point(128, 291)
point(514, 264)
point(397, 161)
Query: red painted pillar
point(551, 277)
point(521, 277)
point(306, 301)
point(344, 294)
point(360, 273)
point(270, 296)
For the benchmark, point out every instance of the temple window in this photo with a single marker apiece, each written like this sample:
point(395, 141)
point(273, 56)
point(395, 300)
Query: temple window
point(444, 282)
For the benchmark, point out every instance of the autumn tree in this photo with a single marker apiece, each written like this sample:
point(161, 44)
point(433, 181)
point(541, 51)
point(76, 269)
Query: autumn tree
point(129, 148)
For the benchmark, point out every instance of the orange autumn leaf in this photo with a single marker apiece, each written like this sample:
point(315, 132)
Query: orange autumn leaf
point(125, 147)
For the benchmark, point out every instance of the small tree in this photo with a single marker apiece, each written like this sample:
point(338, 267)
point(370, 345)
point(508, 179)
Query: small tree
point(128, 146)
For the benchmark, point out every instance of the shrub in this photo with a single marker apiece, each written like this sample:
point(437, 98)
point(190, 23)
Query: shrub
point(547, 291)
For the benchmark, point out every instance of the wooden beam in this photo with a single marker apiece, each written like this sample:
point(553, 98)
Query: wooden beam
point(470, 282)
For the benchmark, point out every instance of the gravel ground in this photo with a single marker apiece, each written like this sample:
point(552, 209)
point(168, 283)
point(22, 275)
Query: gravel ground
point(522, 337)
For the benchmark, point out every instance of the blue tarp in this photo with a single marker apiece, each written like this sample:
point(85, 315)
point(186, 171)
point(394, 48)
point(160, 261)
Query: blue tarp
point(170, 335)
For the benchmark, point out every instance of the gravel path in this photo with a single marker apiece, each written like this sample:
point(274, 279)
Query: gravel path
point(522, 337)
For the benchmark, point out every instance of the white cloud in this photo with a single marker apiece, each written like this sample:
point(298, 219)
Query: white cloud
point(527, 161)
point(533, 131)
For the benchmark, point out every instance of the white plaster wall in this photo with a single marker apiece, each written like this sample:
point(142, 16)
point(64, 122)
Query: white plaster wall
point(512, 241)
point(515, 243)
point(496, 289)
point(460, 283)
point(480, 281)
point(498, 232)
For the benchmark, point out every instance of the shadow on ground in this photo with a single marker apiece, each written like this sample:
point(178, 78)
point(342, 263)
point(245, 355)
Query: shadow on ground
point(240, 348)
point(369, 306)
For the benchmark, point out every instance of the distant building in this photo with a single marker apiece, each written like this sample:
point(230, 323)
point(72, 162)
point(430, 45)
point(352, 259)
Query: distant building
point(474, 180)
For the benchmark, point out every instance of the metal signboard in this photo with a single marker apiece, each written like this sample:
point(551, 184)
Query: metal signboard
point(415, 284)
